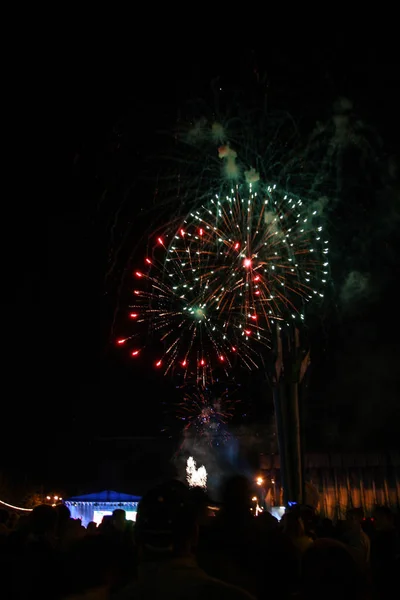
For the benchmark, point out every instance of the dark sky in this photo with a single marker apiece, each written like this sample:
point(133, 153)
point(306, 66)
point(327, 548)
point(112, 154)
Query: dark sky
point(91, 122)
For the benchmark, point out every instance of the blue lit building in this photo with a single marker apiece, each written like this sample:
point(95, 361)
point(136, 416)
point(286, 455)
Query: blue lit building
point(93, 507)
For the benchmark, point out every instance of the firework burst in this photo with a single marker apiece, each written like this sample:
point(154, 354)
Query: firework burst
point(206, 415)
point(247, 261)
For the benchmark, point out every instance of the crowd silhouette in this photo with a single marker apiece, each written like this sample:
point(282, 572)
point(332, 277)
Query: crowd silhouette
point(181, 548)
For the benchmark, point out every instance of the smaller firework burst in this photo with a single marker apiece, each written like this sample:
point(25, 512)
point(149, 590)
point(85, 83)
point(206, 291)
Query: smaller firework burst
point(205, 414)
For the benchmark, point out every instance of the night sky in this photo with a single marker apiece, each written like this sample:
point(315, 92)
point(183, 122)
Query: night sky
point(78, 148)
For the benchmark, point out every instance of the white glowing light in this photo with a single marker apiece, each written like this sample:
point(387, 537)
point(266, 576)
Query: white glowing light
point(16, 507)
point(196, 477)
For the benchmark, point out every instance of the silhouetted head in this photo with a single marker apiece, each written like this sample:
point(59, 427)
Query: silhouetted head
point(293, 524)
point(329, 568)
point(167, 520)
point(63, 514)
point(43, 520)
point(119, 519)
point(237, 495)
point(91, 527)
point(200, 500)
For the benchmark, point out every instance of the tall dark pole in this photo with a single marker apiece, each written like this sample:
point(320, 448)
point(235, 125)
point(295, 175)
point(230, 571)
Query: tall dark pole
point(289, 368)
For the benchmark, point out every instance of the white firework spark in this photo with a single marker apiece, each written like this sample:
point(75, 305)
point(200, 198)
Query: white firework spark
point(196, 477)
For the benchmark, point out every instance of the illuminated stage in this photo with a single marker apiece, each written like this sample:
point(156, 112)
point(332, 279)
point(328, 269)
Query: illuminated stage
point(93, 507)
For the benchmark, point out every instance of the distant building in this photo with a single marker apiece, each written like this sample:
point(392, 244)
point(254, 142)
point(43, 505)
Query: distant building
point(336, 482)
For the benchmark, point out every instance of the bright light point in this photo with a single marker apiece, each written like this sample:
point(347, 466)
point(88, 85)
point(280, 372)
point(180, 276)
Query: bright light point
point(184, 363)
point(160, 241)
point(259, 480)
point(247, 262)
point(198, 313)
point(148, 261)
point(236, 246)
point(257, 278)
point(135, 352)
point(254, 317)
point(201, 232)
point(247, 331)
point(196, 477)
point(133, 315)
point(202, 362)
point(182, 233)
point(138, 274)
point(136, 292)
point(221, 358)
point(233, 349)
point(158, 363)
point(121, 342)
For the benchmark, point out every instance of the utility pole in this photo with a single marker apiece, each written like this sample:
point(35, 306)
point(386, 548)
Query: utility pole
point(290, 365)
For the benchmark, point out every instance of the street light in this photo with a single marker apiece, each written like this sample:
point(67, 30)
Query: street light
point(53, 499)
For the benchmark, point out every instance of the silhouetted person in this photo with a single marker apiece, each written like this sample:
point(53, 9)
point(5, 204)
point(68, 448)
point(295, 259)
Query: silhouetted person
point(293, 528)
point(385, 550)
point(329, 571)
point(354, 536)
point(119, 519)
point(91, 528)
point(166, 532)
